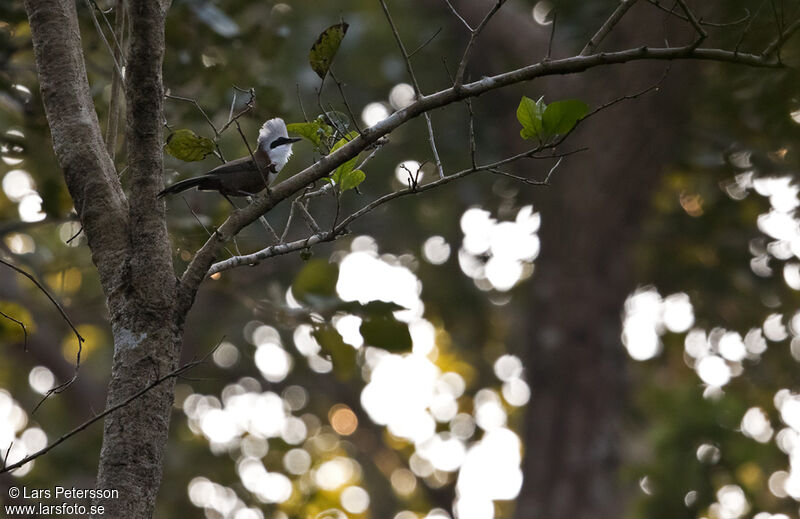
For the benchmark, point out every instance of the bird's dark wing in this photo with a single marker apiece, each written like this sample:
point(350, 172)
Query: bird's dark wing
point(238, 165)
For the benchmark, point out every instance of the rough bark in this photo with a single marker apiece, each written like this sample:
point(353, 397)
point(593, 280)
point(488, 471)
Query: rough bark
point(88, 170)
point(576, 362)
point(147, 335)
point(129, 245)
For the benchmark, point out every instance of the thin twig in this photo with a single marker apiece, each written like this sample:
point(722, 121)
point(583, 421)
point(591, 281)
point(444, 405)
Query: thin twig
point(473, 147)
point(300, 103)
point(402, 47)
point(77, 233)
point(462, 65)
point(50, 297)
point(424, 44)
point(197, 218)
point(64, 315)
point(609, 104)
point(119, 7)
point(312, 224)
point(247, 107)
point(103, 38)
point(415, 83)
point(21, 325)
point(453, 10)
point(747, 27)
point(377, 148)
point(340, 87)
point(702, 34)
point(199, 108)
point(432, 142)
point(778, 42)
point(173, 374)
point(716, 25)
point(115, 105)
point(552, 36)
point(607, 26)
point(545, 182)
point(292, 210)
point(233, 105)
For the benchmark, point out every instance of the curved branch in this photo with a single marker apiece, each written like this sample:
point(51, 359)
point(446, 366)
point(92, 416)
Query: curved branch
point(203, 259)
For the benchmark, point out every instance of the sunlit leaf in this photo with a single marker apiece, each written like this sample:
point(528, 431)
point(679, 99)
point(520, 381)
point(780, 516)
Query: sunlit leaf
point(187, 146)
point(386, 332)
point(347, 138)
point(314, 131)
point(345, 169)
point(529, 115)
point(316, 281)
point(352, 179)
point(324, 49)
point(342, 355)
point(561, 116)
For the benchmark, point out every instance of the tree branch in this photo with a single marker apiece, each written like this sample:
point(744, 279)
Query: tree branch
point(462, 65)
point(198, 267)
point(341, 228)
point(781, 38)
point(607, 26)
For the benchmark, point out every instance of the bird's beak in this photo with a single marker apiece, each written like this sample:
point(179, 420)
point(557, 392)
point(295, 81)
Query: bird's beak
point(294, 139)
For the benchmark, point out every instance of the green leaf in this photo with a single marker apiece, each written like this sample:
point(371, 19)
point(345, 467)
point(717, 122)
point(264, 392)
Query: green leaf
point(560, 117)
point(187, 146)
point(316, 281)
point(341, 354)
point(386, 332)
point(313, 131)
point(324, 49)
point(351, 180)
point(529, 115)
point(344, 140)
point(345, 169)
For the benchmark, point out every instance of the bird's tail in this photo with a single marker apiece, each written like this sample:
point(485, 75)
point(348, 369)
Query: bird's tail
point(183, 185)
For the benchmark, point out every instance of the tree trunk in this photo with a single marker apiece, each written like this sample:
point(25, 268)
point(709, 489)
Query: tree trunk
point(591, 216)
point(129, 242)
point(591, 219)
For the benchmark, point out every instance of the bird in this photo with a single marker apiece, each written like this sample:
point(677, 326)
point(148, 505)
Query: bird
point(244, 176)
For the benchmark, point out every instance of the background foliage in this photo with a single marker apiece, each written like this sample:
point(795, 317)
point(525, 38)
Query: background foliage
point(719, 231)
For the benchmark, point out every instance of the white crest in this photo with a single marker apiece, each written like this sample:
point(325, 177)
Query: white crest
point(270, 131)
